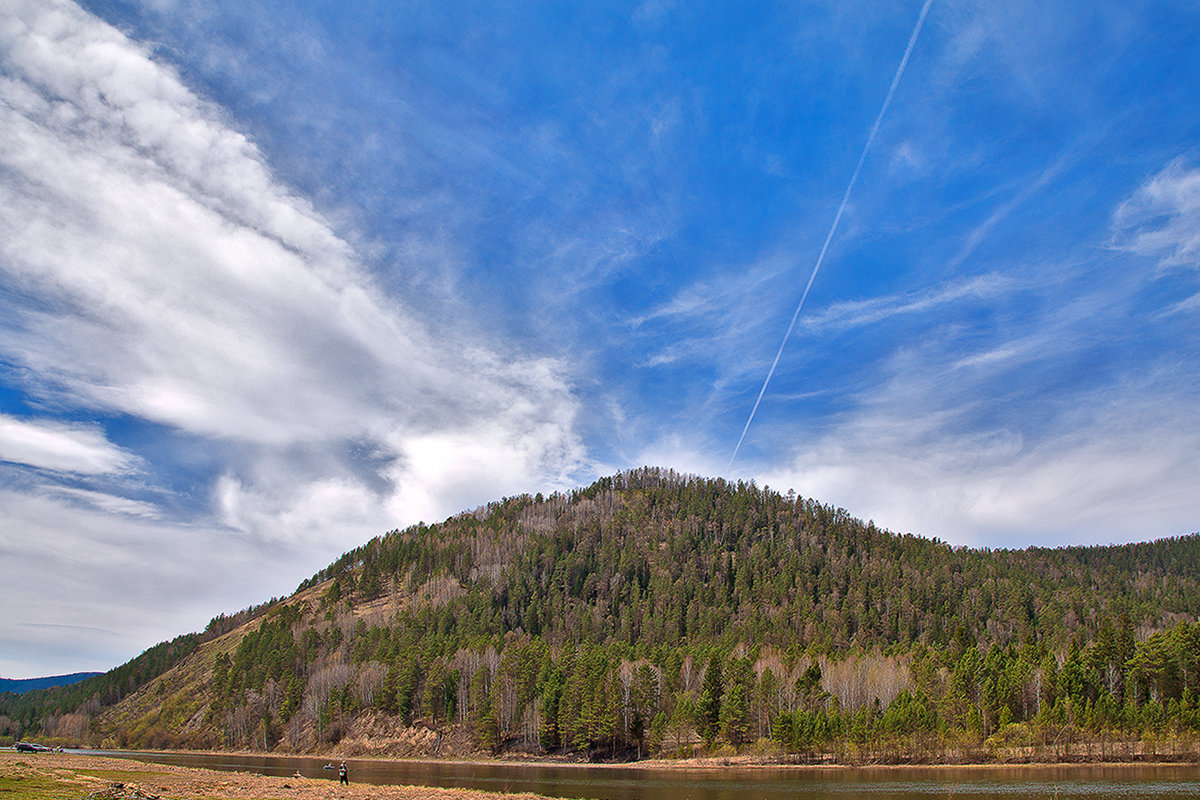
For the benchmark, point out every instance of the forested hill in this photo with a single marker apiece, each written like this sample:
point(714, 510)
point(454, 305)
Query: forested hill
point(651, 609)
point(652, 559)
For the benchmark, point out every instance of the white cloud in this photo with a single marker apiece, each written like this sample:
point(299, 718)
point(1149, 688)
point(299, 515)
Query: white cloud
point(681, 453)
point(487, 461)
point(154, 268)
point(1162, 218)
point(299, 510)
point(63, 448)
point(1183, 306)
point(117, 583)
point(713, 320)
point(853, 314)
point(107, 503)
point(1118, 475)
point(174, 280)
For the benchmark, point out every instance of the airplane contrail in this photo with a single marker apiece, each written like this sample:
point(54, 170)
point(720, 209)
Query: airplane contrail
point(912, 41)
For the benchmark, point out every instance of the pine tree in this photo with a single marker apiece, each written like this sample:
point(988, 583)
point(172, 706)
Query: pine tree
point(708, 709)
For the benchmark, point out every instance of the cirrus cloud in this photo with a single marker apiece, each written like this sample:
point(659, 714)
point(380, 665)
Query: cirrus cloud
point(1162, 218)
point(60, 447)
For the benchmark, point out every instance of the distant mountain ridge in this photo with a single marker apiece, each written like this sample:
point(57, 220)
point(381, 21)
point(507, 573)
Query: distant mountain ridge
point(23, 685)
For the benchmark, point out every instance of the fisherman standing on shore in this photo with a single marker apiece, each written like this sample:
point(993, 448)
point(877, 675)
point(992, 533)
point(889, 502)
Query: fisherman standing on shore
point(343, 775)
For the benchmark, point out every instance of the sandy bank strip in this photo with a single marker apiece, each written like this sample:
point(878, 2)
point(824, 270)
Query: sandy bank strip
point(83, 774)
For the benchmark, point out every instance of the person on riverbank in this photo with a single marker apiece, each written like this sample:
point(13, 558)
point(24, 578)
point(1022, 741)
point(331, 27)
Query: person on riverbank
point(343, 775)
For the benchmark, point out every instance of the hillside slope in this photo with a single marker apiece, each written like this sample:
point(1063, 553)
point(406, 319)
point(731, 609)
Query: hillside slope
point(651, 611)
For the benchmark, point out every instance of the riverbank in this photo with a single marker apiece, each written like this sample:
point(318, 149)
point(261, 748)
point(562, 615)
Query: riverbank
point(72, 776)
point(134, 776)
point(1080, 756)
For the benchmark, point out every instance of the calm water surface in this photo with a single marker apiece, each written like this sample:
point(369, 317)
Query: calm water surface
point(626, 783)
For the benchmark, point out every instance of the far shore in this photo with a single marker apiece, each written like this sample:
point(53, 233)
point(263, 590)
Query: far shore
point(749, 762)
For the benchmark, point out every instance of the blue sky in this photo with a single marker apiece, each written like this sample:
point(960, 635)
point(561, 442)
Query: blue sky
point(278, 277)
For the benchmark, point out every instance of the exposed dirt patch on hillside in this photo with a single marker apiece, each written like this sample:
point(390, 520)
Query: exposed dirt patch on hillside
point(375, 734)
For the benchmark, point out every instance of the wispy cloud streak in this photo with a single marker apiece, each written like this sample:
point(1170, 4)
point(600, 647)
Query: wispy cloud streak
point(62, 448)
point(843, 316)
point(1162, 219)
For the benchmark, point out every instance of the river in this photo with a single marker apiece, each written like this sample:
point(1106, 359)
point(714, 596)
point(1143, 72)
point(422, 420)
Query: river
point(1163, 782)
